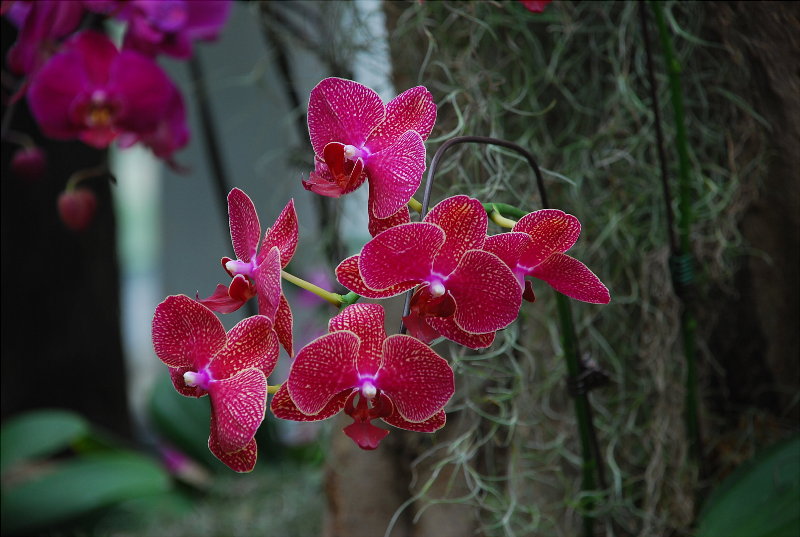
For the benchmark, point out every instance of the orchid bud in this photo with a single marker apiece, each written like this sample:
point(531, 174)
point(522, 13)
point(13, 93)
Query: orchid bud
point(76, 208)
point(29, 163)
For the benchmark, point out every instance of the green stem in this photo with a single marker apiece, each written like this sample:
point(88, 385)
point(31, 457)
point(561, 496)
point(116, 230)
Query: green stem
point(504, 209)
point(501, 220)
point(274, 389)
point(684, 221)
point(333, 298)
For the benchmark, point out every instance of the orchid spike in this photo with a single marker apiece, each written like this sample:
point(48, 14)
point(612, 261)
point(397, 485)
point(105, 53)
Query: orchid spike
point(356, 368)
point(231, 368)
point(463, 293)
point(357, 138)
point(256, 271)
point(535, 247)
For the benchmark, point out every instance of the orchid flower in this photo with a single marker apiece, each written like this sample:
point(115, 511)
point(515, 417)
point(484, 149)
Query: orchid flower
point(356, 368)
point(357, 138)
point(231, 368)
point(256, 271)
point(535, 247)
point(91, 91)
point(464, 293)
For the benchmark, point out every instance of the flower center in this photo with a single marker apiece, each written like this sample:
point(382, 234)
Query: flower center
point(245, 268)
point(368, 388)
point(200, 379)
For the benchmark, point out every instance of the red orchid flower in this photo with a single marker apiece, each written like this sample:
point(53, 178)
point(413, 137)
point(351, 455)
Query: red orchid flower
point(356, 137)
point(357, 368)
point(256, 271)
point(231, 368)
point(91, 91)
point(535, 247)
point(465, 293)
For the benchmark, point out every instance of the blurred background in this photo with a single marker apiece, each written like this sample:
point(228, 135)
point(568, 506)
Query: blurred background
point(694, 386)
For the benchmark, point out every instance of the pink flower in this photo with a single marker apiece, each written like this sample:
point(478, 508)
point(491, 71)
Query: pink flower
point(76, 208)
point(465, 294)
point(171, 132)
point(93, 92)
point(357, 368)
point(256, 271)
point(41, 24)
point(231, 368)
point(167, 26)
point(535, 247)
point(356, 137)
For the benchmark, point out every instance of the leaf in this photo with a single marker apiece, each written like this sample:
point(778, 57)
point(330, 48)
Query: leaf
point(39, 434)
point(78, 487)
point(759, 499)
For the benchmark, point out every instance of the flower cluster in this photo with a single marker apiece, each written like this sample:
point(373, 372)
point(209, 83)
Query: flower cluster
point(465, 285)
point(80, 86)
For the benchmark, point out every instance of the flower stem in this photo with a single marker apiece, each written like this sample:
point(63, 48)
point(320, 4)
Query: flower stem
point(499, 219)
point(333, 298)
point(415, 205)
point(274, 389)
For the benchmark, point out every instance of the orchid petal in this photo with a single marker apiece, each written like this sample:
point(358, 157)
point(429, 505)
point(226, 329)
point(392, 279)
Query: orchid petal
point(284, 408)
point(376, 225)
point(221, 301)
point(343, 111)
point(430, 425)
point(551, 231)
point(367, 322)
point(448, 328)
point(508, 247)
point(464, 222)
point(347, 274)
point(251, 343)
point(176, 375)
point(365, 435)
point(144, 89)
point(283, 325)
point(412, 110)
point(241, 288)
point(243, 460)
point(268, 283)
point(186, 333)
point(400, 254)
point(238, 405)
point(244, 224)
point(486, 293)
point(322, 369)
point(570, 277)
point(417, 380)
point(395, 173)
point(283, 234)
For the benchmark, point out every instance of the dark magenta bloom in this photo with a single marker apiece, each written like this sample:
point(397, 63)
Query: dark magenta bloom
point(356, 368)
point(535, 247)
point(356, 137)
point(232, 369)
point(256, 271)
point(463, 292)
point(93, 92)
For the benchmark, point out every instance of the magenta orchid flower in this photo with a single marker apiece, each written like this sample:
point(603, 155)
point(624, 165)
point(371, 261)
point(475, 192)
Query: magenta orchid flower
point(231, 368)
point(535, 247)
point(41, 24)
point(356, 368)
point(357, 138)
point(256, 271)
point(463, 292)
point(93, 92)
point(166, 26)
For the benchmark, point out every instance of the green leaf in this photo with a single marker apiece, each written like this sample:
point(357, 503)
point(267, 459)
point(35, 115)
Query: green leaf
point(39, 434)
point(78, 487)
point(759, 499)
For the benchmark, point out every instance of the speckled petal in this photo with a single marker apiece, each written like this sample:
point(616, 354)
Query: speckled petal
point(283, 325)
point(347, 274)
point(284, 408)
point(430, 425)
point(412, 110)
point(508, 247)
point(238, 404)
point(367, 322)
point(395, 173)
point(417, 380)
point(448, 328)
point(221, 301)
point(464, 222)
point(569, 276)
point(251, 343)
point(376, 225)
point(176, 375)
point(400, 254)
point(341, 110)
point(186, 333)
point(283, 234)
point(243, 460)
point(551, 231)
point(322, 369)
point(244, 224)
point(268, 283)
